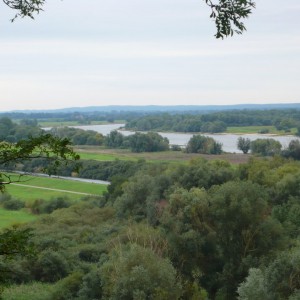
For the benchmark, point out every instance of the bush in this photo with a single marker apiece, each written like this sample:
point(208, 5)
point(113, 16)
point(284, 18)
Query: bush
point(11, 203)
point(176, 148)
point(50, 267)
point(265, 147)
point(204, 145)
point(56, 203)
point(138, 273)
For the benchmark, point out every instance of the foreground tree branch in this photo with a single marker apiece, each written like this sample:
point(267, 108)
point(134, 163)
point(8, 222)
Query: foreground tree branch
point(56, 150)
point(25, 8)
point(227, 14)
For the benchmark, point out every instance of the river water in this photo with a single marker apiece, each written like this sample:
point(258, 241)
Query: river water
point(229, 141)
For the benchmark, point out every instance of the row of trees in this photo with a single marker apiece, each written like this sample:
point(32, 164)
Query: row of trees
point(13, 132)
point(216, 122)
point(138, 142)
point(269, 147)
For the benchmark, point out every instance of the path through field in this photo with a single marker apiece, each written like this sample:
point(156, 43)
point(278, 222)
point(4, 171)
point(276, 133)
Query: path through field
point(50, 189)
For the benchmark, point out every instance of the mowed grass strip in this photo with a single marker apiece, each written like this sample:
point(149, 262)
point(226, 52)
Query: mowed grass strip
point(29, 194)
point(63, 184)
point(9, 217)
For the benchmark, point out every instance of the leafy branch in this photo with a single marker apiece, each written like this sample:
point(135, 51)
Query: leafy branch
point(25, 8)
point(228, 15)
point(56, 150)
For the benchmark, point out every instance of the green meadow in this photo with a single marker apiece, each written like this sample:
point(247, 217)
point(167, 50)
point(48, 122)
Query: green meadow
point(10, 217)
point(31, 188)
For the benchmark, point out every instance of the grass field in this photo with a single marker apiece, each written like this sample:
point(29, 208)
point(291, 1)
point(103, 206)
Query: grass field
point(99, 154)
point(257, 129)
point(28, 193)
point(8, 217)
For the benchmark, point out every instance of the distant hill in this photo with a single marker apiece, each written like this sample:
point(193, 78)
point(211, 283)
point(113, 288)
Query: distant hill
point(171, 108)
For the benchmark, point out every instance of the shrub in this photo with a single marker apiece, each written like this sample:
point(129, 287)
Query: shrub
point(203, 144)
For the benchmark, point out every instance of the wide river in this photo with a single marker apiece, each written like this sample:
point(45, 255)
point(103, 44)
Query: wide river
point(229, 141)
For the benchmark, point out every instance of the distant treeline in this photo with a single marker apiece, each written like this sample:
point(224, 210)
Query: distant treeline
point(216, 122)
point(79, 117)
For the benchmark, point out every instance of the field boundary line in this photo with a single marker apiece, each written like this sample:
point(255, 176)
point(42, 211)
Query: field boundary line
point(51, 189)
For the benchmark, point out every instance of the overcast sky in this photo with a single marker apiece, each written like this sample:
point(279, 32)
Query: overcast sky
point(141, 52)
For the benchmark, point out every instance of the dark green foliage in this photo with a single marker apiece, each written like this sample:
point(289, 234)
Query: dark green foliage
point(204, 145)
point(138, 142)
point(68, 287)
point(279, 280)
point(12, 132)
point(293, 150)
point(13, 204)
point(228, 15)
point(265, 147)
point(191, 231)
point(138, 273)
point(243, 144)
point(79, 136)
point(46, 207)
point(106, 170)
point(54, 150)
point(25, 8)
point(91, 287)
point(50, 266)
point(15, 242)
point(220, 232)
point(288, 214)
point(149, 142)
point(10, 203)
point(201, 173)
point(212, 122)
point(114, 139)
point(176, 148)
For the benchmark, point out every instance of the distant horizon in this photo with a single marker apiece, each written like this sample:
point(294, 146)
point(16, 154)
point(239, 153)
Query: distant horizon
point(158, 107)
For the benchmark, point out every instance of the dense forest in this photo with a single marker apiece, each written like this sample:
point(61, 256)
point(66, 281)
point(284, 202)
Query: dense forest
point(206, 230)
